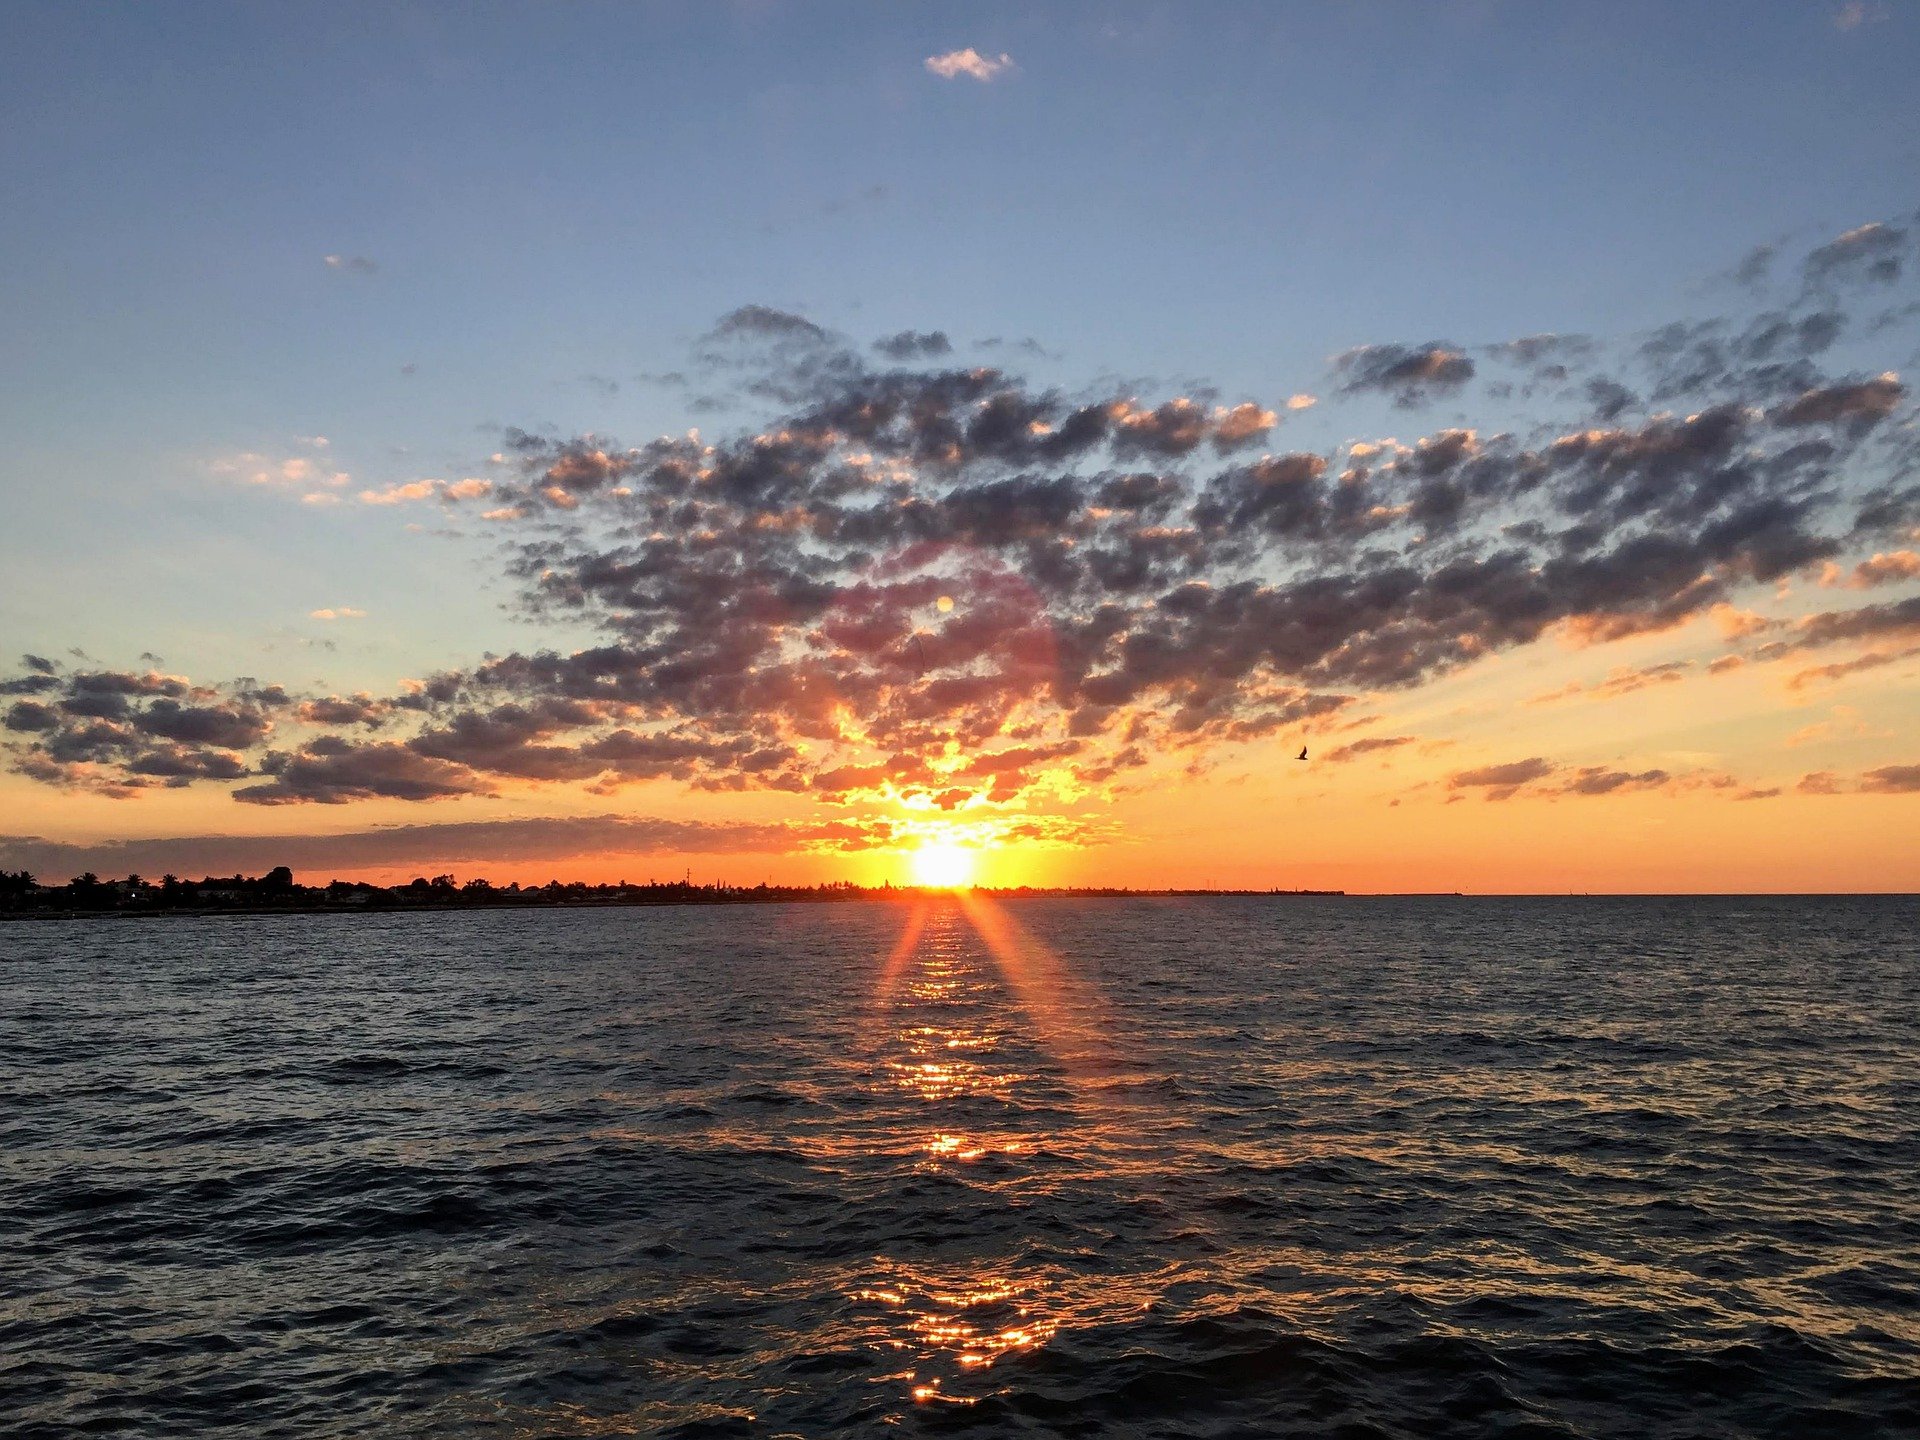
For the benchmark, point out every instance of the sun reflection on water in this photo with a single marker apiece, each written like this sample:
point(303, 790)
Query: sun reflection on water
point(981, 1027)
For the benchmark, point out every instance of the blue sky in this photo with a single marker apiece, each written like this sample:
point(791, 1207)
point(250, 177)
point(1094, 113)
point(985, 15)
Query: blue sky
point(535, 212)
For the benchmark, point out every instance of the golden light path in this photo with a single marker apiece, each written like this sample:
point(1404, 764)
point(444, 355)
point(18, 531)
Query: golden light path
point(949, 1320)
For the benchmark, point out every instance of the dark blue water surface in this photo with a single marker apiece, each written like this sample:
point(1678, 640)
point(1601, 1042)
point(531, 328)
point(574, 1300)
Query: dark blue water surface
point(1159, 1167)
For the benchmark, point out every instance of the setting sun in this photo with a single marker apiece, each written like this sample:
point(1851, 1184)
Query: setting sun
point(943, 865)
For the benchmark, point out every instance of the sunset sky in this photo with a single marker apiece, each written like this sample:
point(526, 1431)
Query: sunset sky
point(597, 441)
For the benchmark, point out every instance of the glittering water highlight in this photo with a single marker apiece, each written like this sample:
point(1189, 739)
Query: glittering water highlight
point(1210, 1167)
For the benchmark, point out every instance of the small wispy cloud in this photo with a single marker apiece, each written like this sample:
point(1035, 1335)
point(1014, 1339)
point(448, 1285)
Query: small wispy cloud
point(970, 63)
point(353, 264)
point(1855, 13)
point(338, 612)
point(258, 469)
point(472, 488)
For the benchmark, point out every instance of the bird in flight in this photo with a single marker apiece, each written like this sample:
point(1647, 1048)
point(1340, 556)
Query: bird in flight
point(1303, 753)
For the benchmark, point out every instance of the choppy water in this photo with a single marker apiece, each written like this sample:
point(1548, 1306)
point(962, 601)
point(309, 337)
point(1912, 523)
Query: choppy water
point(1220, 1167)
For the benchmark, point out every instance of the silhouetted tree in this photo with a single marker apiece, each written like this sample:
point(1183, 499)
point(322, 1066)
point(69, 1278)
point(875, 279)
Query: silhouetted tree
point(15, 887)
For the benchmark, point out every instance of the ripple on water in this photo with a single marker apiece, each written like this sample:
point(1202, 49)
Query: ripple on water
point(1206, 1168)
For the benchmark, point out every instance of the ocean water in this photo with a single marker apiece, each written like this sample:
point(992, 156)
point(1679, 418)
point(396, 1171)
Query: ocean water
point(1219, 1167)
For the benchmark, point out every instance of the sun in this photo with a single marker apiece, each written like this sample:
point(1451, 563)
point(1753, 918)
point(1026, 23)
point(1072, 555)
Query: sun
point(943, 865)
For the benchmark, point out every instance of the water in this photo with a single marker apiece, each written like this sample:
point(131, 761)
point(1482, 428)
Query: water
point(1225, 1167)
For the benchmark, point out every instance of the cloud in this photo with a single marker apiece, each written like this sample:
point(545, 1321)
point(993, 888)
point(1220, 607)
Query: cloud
point(970, 63)
point(399, 494)
point(1892, 780)
point(1500, 781)
point(1736, 624)
point(915, 345)
point(441, 490)
point(336, 710)
point(1602, 780)
point(1374, 745)
point(332, 771)
point(338, 612)
point(1875, 251)
point(120, 732)
point(1411, 374)
point(1845, 724)
point(1540, 778)
point(1865, 403)
point(352, 264)
point(1867, 622)
point(1130, 579)
point(1841, 669)
point(1886, 780)
point(1855, 13)
point(294, 472)
point(1241, 426)
point(1894, 567)
point(1621, 680)
point(763, 322)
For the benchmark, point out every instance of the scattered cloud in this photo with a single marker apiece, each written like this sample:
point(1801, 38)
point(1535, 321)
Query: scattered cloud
point(338, 612)
point(293, 472)
point(1130, 577)
point(1889, 568)
point(443, 490)
point(1500, 781)
point(1841, 669)
point(1621, 680)
point(1844, 724)
point(1375, 745)
point(1892, 780)
point(352, 264)
point(915, 345)
point(1411, 374)
point(1886, 780)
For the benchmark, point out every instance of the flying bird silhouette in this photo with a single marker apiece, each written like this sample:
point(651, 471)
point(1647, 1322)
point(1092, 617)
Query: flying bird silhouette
point(1303, 753)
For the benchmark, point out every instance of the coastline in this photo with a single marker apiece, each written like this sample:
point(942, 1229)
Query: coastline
point(637, 898)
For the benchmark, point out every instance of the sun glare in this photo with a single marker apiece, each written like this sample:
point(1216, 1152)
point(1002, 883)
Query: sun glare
point(941, 864)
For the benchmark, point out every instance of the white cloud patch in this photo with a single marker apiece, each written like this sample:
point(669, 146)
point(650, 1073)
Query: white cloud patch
point(970, 63)
point(338, 612)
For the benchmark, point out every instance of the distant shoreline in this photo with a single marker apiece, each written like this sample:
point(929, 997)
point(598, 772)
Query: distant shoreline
point(634, 898)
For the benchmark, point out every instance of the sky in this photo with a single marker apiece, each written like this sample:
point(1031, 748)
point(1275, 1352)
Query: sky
point(772, 440)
